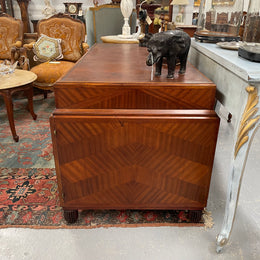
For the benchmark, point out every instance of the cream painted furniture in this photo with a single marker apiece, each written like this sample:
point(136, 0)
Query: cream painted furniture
point(117, 39)
point(238, 83)
point(20, 80)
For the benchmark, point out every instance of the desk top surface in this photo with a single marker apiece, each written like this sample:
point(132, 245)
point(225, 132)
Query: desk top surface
point(125, 64)
point(245, 69)
point(17, 79)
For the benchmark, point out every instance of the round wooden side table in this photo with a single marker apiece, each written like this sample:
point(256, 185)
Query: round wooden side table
point(20, 80)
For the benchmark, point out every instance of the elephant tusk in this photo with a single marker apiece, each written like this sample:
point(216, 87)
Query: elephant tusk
point(152, 69)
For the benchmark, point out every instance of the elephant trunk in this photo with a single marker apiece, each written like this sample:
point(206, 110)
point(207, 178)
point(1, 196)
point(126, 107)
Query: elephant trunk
point(150, 59)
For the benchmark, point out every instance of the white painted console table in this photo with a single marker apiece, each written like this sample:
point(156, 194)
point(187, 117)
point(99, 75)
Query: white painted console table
point(238, 84)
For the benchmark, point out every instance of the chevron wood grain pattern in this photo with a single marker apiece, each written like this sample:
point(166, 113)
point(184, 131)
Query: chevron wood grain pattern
point(116, 77)
point(124, 141)
point(118, 159)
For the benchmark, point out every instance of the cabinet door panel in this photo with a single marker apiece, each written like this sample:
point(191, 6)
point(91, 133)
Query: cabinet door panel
point(129, 161)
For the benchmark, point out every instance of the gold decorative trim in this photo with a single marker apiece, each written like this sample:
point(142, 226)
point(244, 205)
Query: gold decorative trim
point(96, 8)
point(216, 2)
point(94, 25)
point(247, 121)
point(223, 2)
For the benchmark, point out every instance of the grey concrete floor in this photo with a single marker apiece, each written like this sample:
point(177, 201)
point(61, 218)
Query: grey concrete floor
point(157, 242)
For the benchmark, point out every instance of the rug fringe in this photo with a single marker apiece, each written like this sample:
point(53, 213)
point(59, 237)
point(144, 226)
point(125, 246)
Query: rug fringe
point(107, 226)
point(207, 218)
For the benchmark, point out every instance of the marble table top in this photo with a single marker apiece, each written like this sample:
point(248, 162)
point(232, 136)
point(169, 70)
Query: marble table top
point(16, 79)
point(245, 69)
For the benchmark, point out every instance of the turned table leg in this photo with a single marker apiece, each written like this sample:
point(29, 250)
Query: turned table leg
point(248, 126)
point(7, 94)
point(9, 107)
point(29, 93)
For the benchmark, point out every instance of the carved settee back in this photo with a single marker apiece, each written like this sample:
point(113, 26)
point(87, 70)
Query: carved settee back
point(71, 31)
point(11, 34)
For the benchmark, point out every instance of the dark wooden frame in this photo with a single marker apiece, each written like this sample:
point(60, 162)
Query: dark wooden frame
point(58, 15)
point(7, 7)
point(23, 4)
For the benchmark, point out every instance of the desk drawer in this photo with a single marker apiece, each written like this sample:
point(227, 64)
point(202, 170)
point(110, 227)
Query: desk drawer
point(105, 96)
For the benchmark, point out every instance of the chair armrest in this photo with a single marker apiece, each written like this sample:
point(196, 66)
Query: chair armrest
point(20, 55)
point(29, 46)
point(17, 44)
point(85, 47)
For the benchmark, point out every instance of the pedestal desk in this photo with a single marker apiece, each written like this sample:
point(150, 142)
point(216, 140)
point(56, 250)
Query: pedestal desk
point(238, 83)
point(124, 141)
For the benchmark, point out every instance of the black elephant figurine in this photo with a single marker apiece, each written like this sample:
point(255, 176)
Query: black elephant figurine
point(171, 45)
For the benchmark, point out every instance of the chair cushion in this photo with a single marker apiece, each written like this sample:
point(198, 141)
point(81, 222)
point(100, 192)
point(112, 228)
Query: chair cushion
point(49, 72)
point(47, 49)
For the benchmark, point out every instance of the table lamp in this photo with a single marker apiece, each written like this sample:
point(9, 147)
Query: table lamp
point(250, 48)
point(179, 17)
point(126, 7)
point(219, 20)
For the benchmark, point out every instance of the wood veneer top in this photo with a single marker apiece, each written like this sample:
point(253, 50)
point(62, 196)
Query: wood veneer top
point(125, 64)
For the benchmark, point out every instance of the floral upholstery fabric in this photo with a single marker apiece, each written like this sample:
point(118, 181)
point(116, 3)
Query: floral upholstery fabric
point(11, 31)
point(49, 72)
point(71, 33)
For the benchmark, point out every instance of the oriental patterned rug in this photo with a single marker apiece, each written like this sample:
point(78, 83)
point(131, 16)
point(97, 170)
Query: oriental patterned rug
point(29, 198)
point(34, 149)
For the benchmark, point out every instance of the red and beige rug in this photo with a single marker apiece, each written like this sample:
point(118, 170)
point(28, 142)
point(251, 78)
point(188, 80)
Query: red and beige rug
point(29, 198)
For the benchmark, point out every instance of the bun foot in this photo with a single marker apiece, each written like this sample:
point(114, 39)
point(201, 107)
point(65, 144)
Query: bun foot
point(195, 216)
point(71, 216)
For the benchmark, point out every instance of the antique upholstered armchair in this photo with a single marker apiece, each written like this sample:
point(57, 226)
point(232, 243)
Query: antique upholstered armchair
point(11, 40)
point(65, 37)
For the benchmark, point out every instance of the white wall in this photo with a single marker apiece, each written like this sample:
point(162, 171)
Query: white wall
point(36, 7)
point(246, 2)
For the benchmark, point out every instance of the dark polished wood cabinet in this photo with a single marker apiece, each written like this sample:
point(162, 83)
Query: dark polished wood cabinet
point(124, 141)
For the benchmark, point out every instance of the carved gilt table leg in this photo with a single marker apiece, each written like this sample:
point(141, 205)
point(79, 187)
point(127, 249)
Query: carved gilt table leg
point(248, 126)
